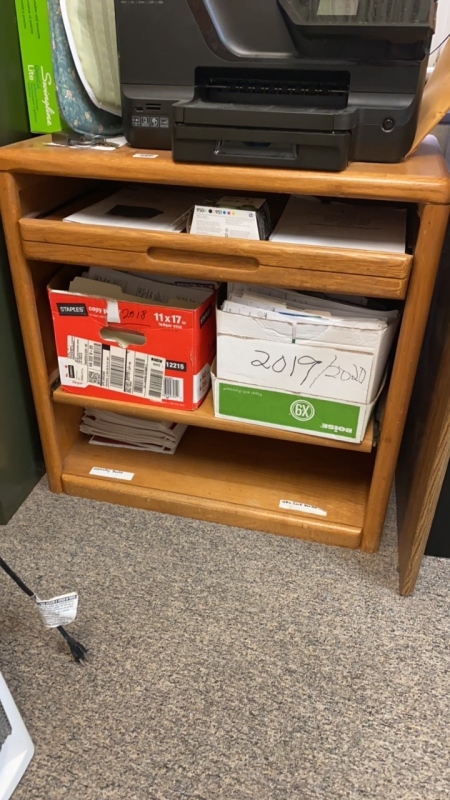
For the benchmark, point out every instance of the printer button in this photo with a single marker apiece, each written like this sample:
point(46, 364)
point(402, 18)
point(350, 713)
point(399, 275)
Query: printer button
point(388, 124)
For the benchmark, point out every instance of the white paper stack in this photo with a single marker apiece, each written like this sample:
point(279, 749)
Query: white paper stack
point(286, 306)
point(118, 285)
point(337, 224)
point(141, 207)
point(117, 430)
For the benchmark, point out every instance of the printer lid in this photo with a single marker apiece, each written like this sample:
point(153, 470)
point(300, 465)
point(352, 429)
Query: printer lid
point(360, 12)
point(361, 29)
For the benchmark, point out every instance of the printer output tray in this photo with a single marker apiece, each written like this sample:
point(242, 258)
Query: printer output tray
point(272, 136)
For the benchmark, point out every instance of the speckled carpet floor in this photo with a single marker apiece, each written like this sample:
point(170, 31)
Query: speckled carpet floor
point(224, 664)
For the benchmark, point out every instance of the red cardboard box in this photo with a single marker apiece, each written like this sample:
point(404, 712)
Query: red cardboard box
point(133, 351)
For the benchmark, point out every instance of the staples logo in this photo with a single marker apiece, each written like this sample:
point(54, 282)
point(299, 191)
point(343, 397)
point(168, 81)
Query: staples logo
point(72, 310)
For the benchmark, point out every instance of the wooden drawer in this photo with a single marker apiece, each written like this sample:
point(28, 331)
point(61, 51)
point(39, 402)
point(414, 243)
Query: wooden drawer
point(295, 266)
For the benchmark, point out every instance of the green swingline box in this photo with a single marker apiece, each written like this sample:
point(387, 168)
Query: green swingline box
point(331, 419)
point(36, 54)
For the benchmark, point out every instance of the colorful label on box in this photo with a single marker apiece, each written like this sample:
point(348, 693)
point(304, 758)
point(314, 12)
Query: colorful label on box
point(288, 410)
point(36, 52)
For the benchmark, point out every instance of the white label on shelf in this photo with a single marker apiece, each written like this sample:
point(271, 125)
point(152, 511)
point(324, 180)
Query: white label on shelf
point(304, 508)
point(58, 610)
point(145, 155)
point(103, 472)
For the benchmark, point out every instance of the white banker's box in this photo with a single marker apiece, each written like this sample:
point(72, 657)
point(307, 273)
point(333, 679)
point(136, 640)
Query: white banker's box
point(342, 359)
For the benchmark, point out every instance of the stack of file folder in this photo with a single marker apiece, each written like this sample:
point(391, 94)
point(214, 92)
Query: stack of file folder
point(117, 430)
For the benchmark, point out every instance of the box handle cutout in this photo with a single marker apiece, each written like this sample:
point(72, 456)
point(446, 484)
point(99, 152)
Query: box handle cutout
point(122, 337)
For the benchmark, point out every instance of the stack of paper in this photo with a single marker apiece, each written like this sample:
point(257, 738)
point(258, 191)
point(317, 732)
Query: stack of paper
point(118, 430)
point(141, 207)
point(285, 306)
point(172, 279)
point(120, 285)
point(337, 224)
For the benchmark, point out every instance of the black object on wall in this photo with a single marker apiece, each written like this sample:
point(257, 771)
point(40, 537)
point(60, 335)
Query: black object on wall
point(21, 463)
point(439, 539)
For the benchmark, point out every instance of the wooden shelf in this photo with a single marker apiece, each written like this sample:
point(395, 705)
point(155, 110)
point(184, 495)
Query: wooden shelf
point(422, 178)
point(365, 272)
point(204, 417)
point(234, 479)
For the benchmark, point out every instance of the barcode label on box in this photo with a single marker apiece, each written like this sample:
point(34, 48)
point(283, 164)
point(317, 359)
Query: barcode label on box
point(118, 369)
point(174, 389)
point(138, 382)
point(155, 383)
point(95, 363)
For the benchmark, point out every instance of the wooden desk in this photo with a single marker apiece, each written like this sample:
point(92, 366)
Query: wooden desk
point(223, 471)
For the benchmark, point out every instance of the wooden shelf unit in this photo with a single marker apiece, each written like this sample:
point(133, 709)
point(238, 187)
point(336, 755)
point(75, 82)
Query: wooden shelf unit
point(223, 471)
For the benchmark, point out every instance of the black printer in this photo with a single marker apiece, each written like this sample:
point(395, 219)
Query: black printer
point(300, 84)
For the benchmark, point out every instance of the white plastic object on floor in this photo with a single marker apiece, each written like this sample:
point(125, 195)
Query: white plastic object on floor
point(17, 750)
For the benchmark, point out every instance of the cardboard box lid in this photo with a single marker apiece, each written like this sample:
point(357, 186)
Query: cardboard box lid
point(435, 100)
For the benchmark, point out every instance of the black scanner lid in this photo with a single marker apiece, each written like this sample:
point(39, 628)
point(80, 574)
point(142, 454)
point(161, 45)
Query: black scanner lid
point(361, 29)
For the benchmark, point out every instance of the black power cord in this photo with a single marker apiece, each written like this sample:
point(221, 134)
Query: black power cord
point(440, 45)
point(78, 651)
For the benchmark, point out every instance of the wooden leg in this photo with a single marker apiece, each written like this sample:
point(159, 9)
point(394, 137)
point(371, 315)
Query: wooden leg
point(432, 230)
point(26, 304)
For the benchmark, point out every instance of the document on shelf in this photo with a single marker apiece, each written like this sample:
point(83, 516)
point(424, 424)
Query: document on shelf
point(142, 208)
point(148, 287)
point(162, 294)
point(118, 430)
point(342, 225)
point(285, 304)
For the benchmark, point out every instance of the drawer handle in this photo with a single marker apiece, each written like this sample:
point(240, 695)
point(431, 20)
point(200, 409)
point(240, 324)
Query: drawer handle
point(193, 258)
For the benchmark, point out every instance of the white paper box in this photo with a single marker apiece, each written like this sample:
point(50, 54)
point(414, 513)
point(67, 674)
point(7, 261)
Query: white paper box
point(316, 357)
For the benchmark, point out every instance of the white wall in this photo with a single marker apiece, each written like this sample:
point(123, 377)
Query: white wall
point(442, 27)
